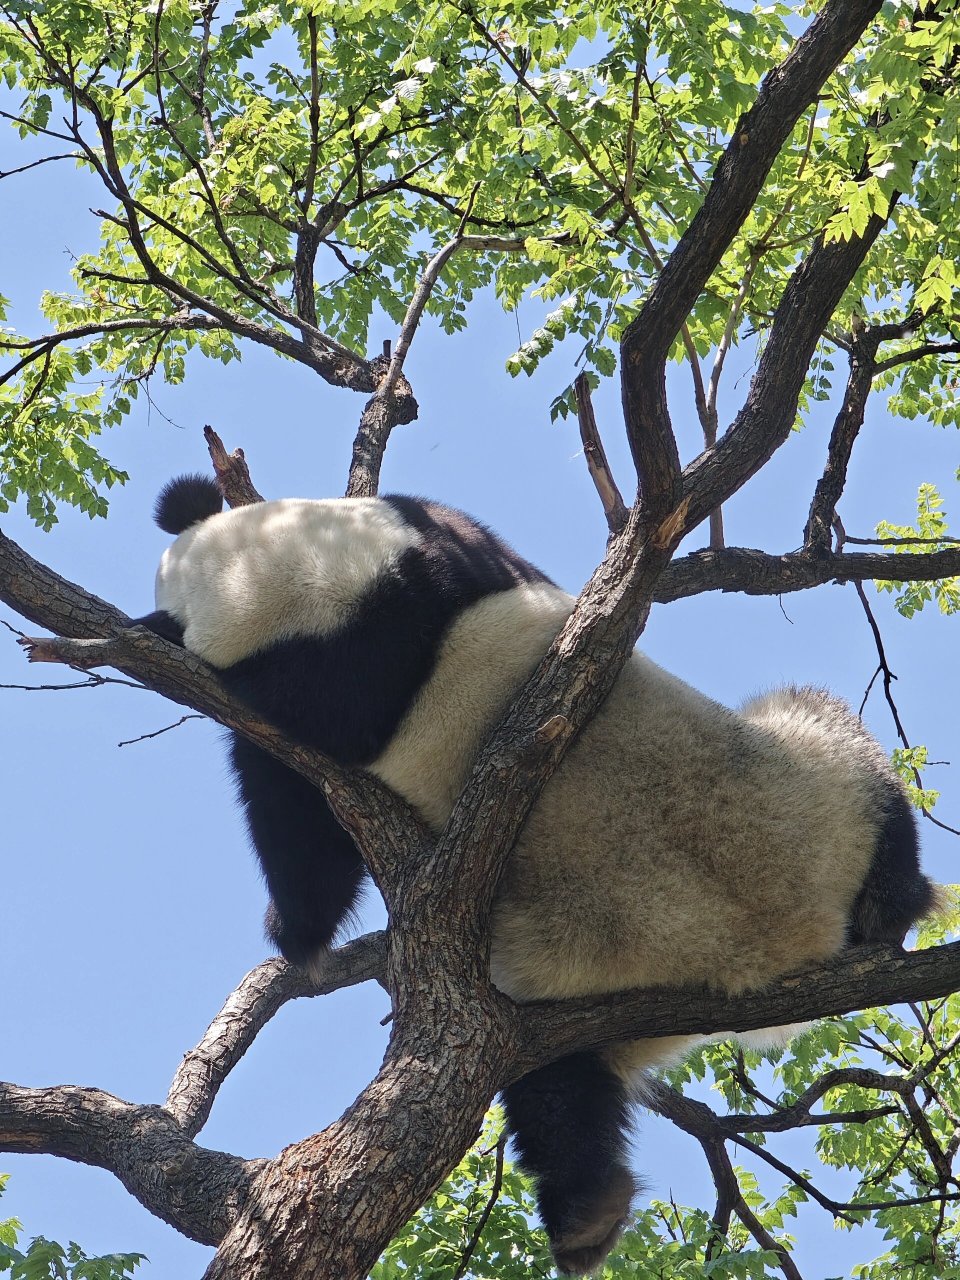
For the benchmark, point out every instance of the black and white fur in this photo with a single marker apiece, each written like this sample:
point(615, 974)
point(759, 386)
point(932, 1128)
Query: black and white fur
point(678, 842)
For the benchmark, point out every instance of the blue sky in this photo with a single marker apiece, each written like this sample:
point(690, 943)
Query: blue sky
point(131, 904)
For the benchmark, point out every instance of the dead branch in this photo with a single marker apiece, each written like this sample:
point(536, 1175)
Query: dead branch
point(233, 474)
point(145, 737)
point(597, 464)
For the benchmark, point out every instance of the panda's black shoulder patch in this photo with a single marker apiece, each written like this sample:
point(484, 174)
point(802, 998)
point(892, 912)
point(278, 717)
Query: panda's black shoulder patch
point(366, 673)
point(185, 501)
point(463, 550)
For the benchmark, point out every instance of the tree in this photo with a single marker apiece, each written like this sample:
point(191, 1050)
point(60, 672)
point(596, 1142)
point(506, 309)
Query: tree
point(675, 180)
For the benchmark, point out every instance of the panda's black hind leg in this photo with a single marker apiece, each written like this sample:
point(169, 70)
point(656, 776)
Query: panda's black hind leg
point(311, 866)
point(569, 1123)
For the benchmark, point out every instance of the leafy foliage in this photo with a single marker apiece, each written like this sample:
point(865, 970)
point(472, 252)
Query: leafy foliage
point(47, 1260)
point(286, 170)
point(484, 1191)
point(929, 534)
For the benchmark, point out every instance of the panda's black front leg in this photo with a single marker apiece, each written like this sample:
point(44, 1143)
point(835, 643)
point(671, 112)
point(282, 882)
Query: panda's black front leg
point(569, 1122)
point(311, 866)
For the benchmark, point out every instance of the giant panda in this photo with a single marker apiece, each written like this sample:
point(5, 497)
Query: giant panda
point(678, 842)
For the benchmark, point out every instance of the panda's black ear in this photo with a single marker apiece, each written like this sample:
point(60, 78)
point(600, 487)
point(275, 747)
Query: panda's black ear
point(186, 501)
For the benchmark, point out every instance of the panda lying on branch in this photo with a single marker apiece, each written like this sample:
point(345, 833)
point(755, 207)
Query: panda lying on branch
point(678, 842)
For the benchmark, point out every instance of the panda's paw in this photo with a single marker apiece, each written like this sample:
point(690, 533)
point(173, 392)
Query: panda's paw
point(593, 1225)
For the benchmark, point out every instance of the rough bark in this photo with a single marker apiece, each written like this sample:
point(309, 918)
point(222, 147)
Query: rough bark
point(760, 573)
point(199, 1192)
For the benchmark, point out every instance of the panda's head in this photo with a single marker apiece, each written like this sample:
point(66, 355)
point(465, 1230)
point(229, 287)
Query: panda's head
point(240, 581)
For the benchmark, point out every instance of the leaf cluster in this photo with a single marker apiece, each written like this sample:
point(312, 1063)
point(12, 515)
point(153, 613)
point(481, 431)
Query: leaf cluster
point(46, 1260)
point(271, 164)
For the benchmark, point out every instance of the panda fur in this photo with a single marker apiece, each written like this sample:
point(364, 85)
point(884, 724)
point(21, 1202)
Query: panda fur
point(678, 842)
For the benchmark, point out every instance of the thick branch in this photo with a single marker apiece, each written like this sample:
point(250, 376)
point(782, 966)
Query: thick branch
point(199, 1192)
point(757, 573)
point(202, 1192)
point(785, 94)
point(385, 828)
point(381, 414)
point(857, 979)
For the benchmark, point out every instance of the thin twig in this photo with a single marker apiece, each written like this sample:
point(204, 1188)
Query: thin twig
point(888, 678)
point(94, 682)
point(128, 742)
point(487, 1210)
point(34, 164)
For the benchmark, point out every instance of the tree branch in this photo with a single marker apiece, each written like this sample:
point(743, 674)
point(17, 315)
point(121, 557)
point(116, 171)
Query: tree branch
point(37, 347)
point(373, 814)
point(200, 1192)
point(494, 1040)
point(918, 353)
point(786, 92)
point(857, 979)
point(765, 420)
point(702, 1123)
point(597, 464)
point(759, 573)
point(249, 1008)
point(392, 404)
point(233, 474)
point(862, 355)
